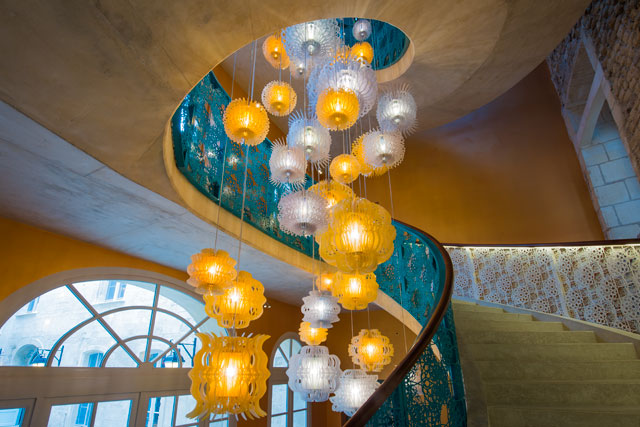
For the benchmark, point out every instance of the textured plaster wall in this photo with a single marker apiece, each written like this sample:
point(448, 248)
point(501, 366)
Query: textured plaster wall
point(506, 173)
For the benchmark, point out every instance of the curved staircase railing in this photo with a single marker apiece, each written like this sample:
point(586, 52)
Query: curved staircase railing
point(426, 388)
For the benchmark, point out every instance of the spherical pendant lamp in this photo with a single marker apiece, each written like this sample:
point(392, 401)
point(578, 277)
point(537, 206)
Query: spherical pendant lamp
point(308, 134)
point(337, 109)
point(239, 305)
point(361, 29)
point(229, 375)
point(312, 39)
point(359, 237)
point(302, 213)
point(332, 191)
point(287, 165)
point(299, 68)
point(370, 350)
point(274, 52)
point(345, 168)
point(325, 281)
point(397, 111)
point(320, 310)
point(314, 373)
point(383, 149)
point(245, 122)
point(279, 98)
point(312, 336)
point(363, 52)
point(354, 389)
point(350, 74)
point(355, 291)
point(365, 168)
point(211, 271)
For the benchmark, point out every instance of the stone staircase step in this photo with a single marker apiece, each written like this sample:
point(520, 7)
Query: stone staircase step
point(491, 316)
point(469, 326)
point(528, 337)
point(558, 370)
point(458, 308)
point(508, 416)
point(542, 352)
point(564, 394)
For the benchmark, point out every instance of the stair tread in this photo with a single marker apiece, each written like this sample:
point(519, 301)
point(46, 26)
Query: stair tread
point(533, 337)
point(589, 409)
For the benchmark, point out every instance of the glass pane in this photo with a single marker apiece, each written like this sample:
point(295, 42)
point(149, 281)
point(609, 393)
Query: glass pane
point(186, 404)
point(113, 414)
point(90, 338)
point(11, 417)
point(300, 419)
point(105, 295)
point(169, 327)
point(298, 402)
point(29, 335)
point(218, 417)
point(76, 415)
point(129, 323)
point(279, 360)
point(295, 347)
point(160, 411)
point(157, 348)
point(121, 359)
point(178, 302)
point(286, 348)
point(279, 421)
point(279, 395)
point(224, 423)
point(211, 325)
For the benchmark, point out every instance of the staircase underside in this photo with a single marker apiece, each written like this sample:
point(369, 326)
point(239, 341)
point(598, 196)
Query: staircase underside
point(535, 373)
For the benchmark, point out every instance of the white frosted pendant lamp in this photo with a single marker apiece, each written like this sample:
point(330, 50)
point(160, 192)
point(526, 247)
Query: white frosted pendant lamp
point(314, 373)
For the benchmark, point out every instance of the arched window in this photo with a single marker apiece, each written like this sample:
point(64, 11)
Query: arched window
point(105, 324)
point(286, 408)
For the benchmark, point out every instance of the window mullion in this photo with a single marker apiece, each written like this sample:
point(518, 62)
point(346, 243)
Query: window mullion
point(152, 322)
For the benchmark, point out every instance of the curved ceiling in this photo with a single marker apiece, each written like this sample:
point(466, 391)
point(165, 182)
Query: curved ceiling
point(106, 76)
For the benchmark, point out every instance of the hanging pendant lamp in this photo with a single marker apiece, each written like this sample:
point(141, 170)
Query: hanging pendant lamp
point(397, 111)
point(314, 373)
point(355, 291)
point(279, 98)
point(239, 305)
point(274, 51)
point(211, 271)
point(355, 388)
point(331, 191)
point(325, 281)
point(320, 310)
point(229, 375)
point(382, 149)
point(357, 149)
point(312, 336)
point(361, 29)
point(363, 52)
point(302, 213)
point(337, 109)
point(308, 134)
point(345, 168)
point(245, 122)
point(312, 39)
point(370, 350)
point(287, 165)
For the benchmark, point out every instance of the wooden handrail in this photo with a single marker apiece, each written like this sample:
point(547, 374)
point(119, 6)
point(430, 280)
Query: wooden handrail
point(371, 406)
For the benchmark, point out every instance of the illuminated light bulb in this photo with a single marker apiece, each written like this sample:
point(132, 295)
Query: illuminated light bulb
point(359, 237)
point(299, 68)
point(246, 122)
point(279, 98)
point(320, 310)
point(325, 281)
point(332, 191)
point(337, 109)
point(302, 213)
point(229, 375)
point(309, 135)
point(355, 291)
point(345, 168)
point(312, 336)
point(314, 373)
point(211, 271)
point(358, 152)
point(354, 389)
point(240, 304)
point(312, 39)
point(371, 350)
point(361, 29)
point(397, 111)
point(383, 149)
point(274, 52)
point(363, 52)
point(287, 165)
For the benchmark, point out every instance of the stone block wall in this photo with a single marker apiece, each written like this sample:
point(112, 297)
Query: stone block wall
point(613, 27)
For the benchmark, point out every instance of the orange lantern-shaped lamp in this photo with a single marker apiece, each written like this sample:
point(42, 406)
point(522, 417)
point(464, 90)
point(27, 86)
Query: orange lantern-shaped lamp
point(239, 305)
point(332, 191)
point(337, 109)
point(279, 98)
point(246, 122)
point(345, 168)
point(355, 291)
point(211, 271)
point(274, 52)
point(229, 375)
point(362, 51)
point(325, 281)
point(312, 336)
point(359, 237)
point(371, 350)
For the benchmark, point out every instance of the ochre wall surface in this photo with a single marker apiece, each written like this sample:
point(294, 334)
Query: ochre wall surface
point(506, 173)
point(28, 254)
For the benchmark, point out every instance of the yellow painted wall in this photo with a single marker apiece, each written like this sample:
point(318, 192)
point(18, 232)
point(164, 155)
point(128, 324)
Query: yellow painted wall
point(506, 173)
point(28, 254)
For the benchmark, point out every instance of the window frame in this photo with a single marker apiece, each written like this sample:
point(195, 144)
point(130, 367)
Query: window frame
point(26, 404)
